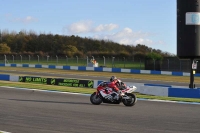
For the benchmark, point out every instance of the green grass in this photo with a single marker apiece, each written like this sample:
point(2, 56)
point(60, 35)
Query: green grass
point(47, 87)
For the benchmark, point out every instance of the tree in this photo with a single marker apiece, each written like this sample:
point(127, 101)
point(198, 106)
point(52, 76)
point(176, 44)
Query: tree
point(70, 48)
point(124, 54)
point(4, 49)
point(73, 45)
point(155, 56)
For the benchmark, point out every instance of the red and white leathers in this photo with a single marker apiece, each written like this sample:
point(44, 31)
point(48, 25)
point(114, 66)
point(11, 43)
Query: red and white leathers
point(113, 85)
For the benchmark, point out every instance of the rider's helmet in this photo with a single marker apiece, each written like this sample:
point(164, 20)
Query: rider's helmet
point(105, 84)
point(113, 78)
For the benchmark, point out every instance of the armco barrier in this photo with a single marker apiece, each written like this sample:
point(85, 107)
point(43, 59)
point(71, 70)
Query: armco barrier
point(154, 90)
point(185, 93)
point(102, 69)
point(165, 90)
point(151, 89)
point(5, 77)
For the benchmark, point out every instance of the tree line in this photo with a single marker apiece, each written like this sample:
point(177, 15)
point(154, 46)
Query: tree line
point(48, 44)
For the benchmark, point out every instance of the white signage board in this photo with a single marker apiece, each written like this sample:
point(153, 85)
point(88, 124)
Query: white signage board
point(192, 18)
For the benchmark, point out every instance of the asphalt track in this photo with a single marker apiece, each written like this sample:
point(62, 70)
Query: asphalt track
point(28, 111)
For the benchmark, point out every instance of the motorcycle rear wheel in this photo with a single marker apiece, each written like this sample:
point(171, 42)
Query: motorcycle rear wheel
point(95, 99)
point(130, 102)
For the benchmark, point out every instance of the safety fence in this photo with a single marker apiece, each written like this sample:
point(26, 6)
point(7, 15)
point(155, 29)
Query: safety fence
point(167, 64)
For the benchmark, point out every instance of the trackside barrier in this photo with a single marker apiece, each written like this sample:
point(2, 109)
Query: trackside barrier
point(4, 77)
point(58, 81)
point(154, 90)
point(151, 89)
point(186, 93)
point(170, 91)
point(101, 69)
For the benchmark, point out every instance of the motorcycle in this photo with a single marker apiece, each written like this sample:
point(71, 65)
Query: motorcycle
point(108, 95)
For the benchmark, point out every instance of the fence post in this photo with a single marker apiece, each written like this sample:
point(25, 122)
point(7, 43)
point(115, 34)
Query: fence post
point(13, 58)
point(38, 58)
point(29, 58)
point(104, 61)
point(66, 59)
point(77, 60)
point(21, 58)
point(56, 60)
point(124, 62)
point(5, 58)
point(47, 59)
point(87, 60)
point(113, 58)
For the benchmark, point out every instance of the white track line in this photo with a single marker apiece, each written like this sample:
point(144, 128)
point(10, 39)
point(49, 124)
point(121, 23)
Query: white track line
point(4, 132)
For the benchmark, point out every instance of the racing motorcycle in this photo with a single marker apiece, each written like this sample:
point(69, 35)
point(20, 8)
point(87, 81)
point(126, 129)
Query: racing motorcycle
point(108, 95)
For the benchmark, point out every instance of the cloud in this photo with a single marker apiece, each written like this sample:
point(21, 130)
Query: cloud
point(105, 27)
point(143, 41)
point(88, 27)
point(127, 36)
point(112, 32)
point(26, 20)
point(79, 27)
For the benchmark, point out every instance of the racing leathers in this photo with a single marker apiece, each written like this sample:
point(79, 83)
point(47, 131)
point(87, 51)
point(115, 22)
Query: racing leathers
point(115, 87)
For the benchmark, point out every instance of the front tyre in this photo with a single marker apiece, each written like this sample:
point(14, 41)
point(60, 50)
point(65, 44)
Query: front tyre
point(95, 99)
point(129, 99)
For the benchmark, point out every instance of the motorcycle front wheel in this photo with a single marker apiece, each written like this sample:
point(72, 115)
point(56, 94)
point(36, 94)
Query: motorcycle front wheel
point(130, 99)
point(95, 99)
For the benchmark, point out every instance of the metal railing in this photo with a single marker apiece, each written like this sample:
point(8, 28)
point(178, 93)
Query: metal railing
point(167, 64)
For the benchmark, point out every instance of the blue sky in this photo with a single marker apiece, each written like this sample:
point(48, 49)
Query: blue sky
point(129, 22)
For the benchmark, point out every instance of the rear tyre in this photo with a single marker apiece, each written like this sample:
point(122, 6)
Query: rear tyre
point(131, 100)
point(95, 99)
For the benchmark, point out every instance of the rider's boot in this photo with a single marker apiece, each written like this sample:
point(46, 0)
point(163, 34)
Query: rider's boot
point(121, 94)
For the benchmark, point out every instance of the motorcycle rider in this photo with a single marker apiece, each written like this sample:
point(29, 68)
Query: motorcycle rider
point(114, 83)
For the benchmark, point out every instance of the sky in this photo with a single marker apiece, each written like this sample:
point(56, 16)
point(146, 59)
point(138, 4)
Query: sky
point(127, 22)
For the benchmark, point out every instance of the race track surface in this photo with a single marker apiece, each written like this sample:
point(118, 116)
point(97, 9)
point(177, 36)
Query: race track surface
point(27, 111)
